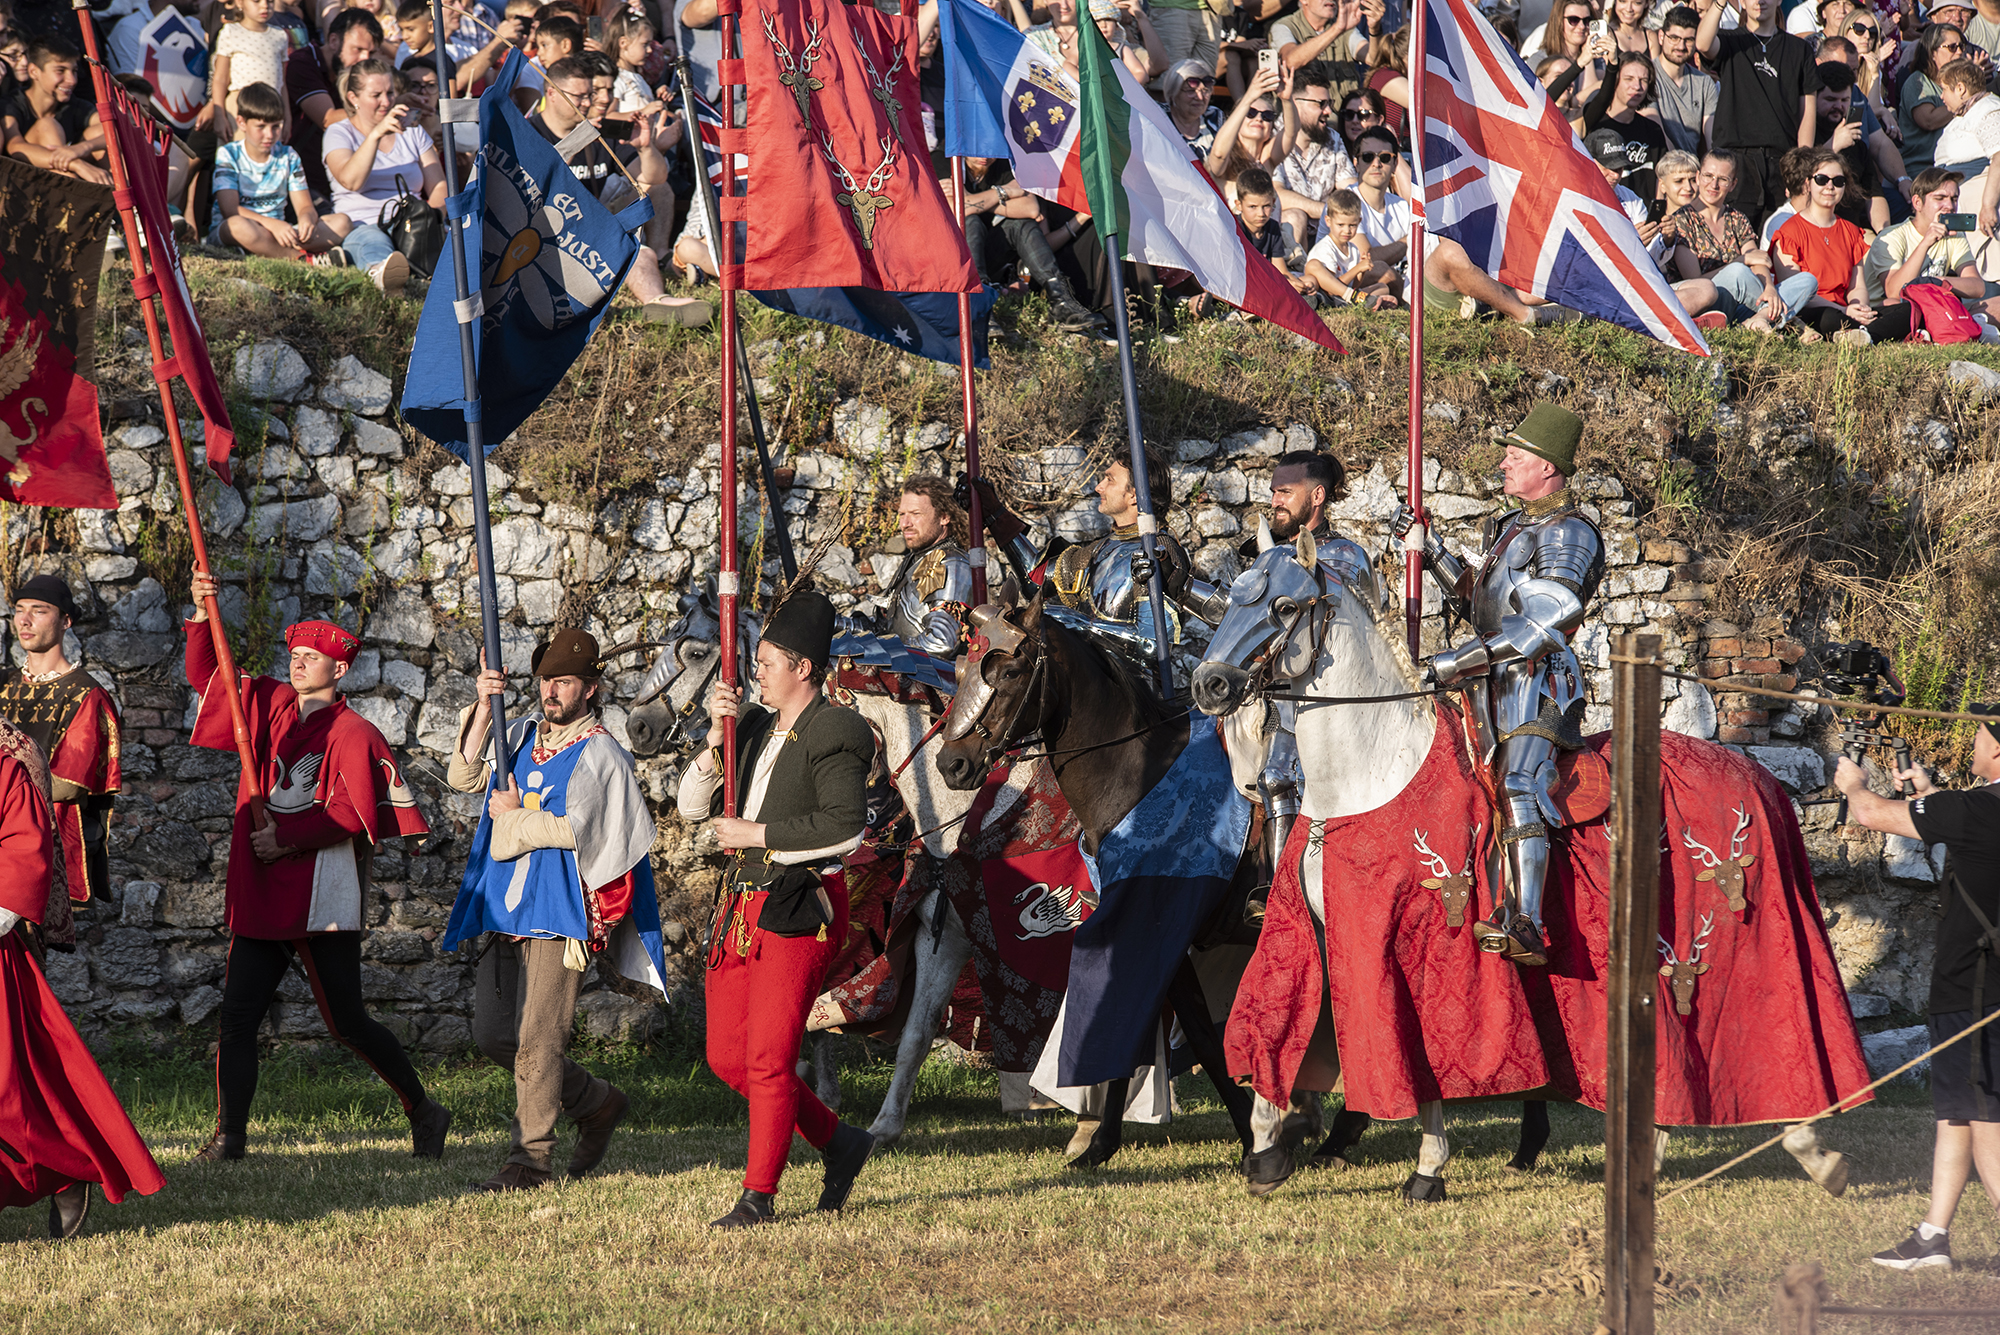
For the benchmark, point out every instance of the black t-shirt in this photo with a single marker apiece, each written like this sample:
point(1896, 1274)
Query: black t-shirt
point(1764, 80)
point(593, 165)
point(73, 115)
point(1968, 825)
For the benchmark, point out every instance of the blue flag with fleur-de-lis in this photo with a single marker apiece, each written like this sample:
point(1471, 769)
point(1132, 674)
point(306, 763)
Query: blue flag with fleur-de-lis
point(544, 260)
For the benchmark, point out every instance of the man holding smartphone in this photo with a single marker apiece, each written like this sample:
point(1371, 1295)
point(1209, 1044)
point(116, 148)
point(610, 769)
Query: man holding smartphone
point(1932, 244)
point(616, 172)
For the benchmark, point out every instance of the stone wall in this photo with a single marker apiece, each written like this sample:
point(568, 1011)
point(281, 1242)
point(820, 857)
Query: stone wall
point(343, 514)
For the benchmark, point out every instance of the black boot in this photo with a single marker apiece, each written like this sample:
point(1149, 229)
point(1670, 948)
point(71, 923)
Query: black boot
point(752, 1208)
point(67, 1210)
point(844, 1155)
point(221, 1146)
point(1070, 314)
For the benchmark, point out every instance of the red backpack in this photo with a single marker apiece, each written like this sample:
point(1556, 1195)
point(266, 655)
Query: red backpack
point(1937, 315)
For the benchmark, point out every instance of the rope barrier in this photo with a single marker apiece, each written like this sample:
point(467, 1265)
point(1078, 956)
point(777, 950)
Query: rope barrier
point(1830, 701)
point(1755, 1150)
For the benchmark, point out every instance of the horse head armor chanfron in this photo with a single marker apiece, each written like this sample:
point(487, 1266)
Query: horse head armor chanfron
point(997, 678)
point(1258, 644)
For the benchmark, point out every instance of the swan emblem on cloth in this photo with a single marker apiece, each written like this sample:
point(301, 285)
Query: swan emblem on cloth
point(292, 789)
point(1051, 910)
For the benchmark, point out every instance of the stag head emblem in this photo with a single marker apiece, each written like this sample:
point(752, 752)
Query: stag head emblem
point(1680, 974)
point(1454, 888)
point(1727, 873)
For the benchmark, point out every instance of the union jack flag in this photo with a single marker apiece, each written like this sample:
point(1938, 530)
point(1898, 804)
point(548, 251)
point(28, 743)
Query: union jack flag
point(1506, 177)
point(708, 123)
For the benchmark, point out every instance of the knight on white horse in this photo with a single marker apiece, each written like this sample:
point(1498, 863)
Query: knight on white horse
point(1523, 687)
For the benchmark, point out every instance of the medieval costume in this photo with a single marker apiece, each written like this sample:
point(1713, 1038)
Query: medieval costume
point(564, 875)
point(333, 791)
point(63, 1127)
point(781, 919)
point(74, 721)
point(1524, 688)
point(925, 601)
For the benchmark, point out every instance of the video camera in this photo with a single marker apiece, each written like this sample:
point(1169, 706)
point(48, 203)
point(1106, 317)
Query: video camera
point(1858, 668)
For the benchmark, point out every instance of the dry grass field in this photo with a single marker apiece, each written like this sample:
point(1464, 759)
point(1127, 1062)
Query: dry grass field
point(972, 1224)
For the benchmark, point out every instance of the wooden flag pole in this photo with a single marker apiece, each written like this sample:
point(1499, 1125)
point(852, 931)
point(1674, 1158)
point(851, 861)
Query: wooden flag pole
point(975, 547)
point(1413, 541)
point(468, 311)
point(145, 282)
point(726, 263)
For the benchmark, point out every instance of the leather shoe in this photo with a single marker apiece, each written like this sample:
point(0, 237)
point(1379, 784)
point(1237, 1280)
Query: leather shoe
point(844, 1155)
point(427, 1129)
point(752, 1208)
point(221, 1147)
point(514, 1177)
point(67, 1210)
point(594, 1132)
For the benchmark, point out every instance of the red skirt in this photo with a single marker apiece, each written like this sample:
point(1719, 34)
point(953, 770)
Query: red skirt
point(59, 1121)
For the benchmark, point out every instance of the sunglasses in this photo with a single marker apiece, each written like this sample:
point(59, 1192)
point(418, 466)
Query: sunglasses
point(1572, 21)
point(1263, 116)
point(1859, 30)
point(1198, 81)
point(1823, 180)
point(1361, 114)
point(1371, 159)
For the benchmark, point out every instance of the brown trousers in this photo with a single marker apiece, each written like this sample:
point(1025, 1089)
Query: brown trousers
point(521, 1019)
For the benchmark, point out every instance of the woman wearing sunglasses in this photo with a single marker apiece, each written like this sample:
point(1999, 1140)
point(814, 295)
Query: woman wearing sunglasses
point(1921, 112)
point(1817, 241)
point(1863, 31)
point(1260, 132)
point(1188, 88)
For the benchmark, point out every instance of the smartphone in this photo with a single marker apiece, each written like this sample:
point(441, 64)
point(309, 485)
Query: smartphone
point(1656, 211)
point(1854, 112)
point(1267, 59)
point(615, 131)
point(597, 31)
point(1959, 222)
point(1600, 28)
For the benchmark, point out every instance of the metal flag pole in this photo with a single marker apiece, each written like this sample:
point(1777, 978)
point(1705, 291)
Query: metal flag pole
point(975, 547)
point(691, 133)
point(451, 112)
point(727, 580)
point(145, 282)
point(1413, 541)
point(1149, 524)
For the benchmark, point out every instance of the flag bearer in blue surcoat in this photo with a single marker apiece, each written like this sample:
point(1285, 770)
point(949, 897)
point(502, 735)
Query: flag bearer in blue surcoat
point(559, 871)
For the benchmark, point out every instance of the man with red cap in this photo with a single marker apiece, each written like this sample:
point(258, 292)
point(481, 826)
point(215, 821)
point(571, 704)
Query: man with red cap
point(802, 797)
point(65, 712)
point(299, 862)
point(64, 1128)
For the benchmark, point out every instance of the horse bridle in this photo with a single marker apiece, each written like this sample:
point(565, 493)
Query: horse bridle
point(996, 742)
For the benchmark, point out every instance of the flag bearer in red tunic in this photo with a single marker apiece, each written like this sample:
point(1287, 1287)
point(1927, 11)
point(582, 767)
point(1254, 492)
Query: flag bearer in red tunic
point(802, 780)
point(62, 1126)
point(299, 883)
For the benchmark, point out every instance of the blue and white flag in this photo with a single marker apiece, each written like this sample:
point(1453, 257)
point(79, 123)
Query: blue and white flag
point(925, 323)
point(545, 260)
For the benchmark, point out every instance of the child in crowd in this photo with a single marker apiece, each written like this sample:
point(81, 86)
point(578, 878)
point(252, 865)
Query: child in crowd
point(256, 176)
point(557, 37)
point(1257, 206)
point(1342, 266)
point(45, 122)
point(417, 88)
point(413, 20)
point(628, 39)
point(249, 50)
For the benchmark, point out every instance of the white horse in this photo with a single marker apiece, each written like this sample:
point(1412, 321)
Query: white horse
point(1311, 637)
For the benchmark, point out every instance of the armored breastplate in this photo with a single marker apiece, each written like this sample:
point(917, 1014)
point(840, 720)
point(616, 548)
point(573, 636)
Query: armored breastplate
point(924, 606)
point(1537, 542)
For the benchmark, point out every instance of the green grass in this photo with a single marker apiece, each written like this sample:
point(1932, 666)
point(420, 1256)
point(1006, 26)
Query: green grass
point(973, 1223)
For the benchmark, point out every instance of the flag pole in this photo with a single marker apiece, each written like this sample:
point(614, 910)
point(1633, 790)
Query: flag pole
point(727, 579)
point(691, 135)
point(975, 547)
point(1149, 524)
point(1413, 541)
point(144, 284)
point(475, 430)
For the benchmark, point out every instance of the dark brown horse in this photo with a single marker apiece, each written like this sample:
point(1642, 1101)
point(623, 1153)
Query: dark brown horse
point(1031, 683)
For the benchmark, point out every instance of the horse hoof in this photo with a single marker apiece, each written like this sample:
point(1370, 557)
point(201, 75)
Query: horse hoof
point(1267, 1170)
point(1095, 1157)
point(1345, 1134)
point(1423, 1187)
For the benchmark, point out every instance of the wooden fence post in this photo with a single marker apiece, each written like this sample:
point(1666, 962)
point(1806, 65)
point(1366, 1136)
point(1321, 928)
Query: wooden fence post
point(1633, 985)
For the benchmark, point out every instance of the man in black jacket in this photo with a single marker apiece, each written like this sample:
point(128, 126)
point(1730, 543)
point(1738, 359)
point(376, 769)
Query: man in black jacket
point(1965, 979)
point(801, 784)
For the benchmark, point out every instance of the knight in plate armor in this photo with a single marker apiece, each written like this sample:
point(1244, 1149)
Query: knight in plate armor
point(925, 601)
point(1524, 689)
point(1102, 585)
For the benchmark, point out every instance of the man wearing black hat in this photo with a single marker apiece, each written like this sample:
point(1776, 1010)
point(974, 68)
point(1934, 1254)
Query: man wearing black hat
point(1965, 978)
point(1524, 689)
point(559, 870)
point(73, 719)
point(801, 791)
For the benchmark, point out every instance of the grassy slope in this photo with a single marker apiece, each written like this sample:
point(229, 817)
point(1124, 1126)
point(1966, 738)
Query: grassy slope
point(973, 1224)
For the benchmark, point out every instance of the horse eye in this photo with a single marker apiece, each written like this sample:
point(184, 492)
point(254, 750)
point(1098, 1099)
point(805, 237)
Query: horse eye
point(1284, 607)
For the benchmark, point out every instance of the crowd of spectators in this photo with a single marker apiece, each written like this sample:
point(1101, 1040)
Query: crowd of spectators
point(1791, 167)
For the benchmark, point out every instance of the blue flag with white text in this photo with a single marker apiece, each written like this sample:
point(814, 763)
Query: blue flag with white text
point(544, 259)
point(925, 323)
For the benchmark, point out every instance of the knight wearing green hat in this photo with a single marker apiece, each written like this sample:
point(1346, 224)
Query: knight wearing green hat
point(1523, 687)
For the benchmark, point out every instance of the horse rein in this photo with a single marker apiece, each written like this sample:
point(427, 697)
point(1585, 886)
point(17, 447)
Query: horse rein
point(1263, 668)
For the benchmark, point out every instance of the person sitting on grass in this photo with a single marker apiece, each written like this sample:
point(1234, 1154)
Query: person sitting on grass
point(364, 155)
point(45, 122)
point(1923, 248)
point(1829, 247)
point(1715, 243)
point(1342, 265)
point(256, 177)
point(1257, 206)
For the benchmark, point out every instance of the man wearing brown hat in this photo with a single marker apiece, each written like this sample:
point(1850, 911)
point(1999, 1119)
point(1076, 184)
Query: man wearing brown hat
point(1523, 686)
point(801, 794)
point(72, 718)
point(299, 862)
point(559, 872)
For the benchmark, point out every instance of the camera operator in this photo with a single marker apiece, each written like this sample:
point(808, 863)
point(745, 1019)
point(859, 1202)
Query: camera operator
point(1965, 977)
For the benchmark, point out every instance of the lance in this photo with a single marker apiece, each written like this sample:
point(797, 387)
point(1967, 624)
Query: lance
point(145, 282)
point(705, 200)
point(1413, 541)
point(731, 276)
point(454, 111)
point(976, 544)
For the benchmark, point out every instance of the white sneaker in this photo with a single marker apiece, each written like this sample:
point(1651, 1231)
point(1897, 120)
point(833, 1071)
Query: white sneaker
point(392, 273)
